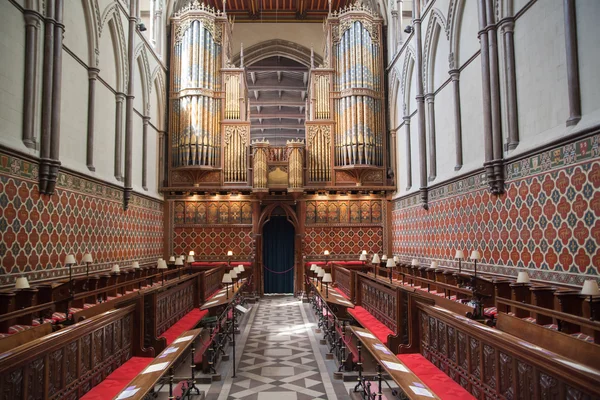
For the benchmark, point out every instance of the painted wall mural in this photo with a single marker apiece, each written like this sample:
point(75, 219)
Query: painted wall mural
point(36, 232)
point(547, 221)
point(344, 212)
point(212, 212)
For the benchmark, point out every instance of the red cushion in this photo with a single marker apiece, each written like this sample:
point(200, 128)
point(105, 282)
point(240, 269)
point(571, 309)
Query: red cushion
point(367, 320)
point(317, 263)
point(118, 380)
point(187, 322)
point(348, 262)
point(440, 383)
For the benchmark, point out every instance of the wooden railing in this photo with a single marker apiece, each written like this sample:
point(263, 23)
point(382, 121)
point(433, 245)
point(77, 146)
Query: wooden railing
point(344, 280)
point(68, 363)
point(490, 363)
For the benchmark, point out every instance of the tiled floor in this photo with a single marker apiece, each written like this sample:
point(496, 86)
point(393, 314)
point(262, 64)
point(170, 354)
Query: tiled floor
point(280, 356)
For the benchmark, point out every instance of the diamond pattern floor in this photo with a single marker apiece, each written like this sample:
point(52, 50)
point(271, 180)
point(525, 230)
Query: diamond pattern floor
point(281, 359)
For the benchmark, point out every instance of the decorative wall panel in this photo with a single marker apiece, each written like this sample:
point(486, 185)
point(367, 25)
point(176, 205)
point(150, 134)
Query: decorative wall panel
point(343, 242)
point(547, 221)
point(212, 212)
point(211, 242)
point(344, 212)
point(82, 215)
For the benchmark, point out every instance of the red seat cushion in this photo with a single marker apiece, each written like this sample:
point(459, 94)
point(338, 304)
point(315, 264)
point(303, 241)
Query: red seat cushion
point(367, 320)
point(187, 322)
point(119, 379)
point(441, 384)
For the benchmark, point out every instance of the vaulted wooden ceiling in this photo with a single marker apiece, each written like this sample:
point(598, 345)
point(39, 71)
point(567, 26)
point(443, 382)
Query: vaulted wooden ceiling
point(278, 10)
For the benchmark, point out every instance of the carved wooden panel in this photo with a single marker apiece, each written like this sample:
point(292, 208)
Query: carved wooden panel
point(342, 279)
point(173, 304)
point(549, 387)
point(55, 371)
point(35, 379)
point(71, 363)
point(452, 344)
point(336, 212)
point(380, 302)
point(12, 385)
point(525, 380)
point(506, 376)
point(474, 350)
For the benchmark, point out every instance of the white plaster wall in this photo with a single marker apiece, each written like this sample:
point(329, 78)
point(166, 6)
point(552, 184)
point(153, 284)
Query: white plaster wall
point(76, 35)
point(468, 44)
point(104, 132)
point(108, 57)
point(12, 50)
point(152, 154)
point(307, 34)
point(471, 116)
point(440, 61)
point(588, 34)
point(445, 137)
point(541, 74)
point(73, 110)
point(414, 151)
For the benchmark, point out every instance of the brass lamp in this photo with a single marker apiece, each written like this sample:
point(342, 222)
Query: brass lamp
point(234, 275)
point(162, 265)
point(390, 264)
point(226, 280)
point(87, 259)
point(590, 288)
point(22, 283)
point(475, 256)
point(523, 277)
point(375, 261)
point(320, 275)
point(460, 255)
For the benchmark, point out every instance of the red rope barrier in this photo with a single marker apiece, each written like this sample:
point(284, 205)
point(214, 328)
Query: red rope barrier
point(278, 272)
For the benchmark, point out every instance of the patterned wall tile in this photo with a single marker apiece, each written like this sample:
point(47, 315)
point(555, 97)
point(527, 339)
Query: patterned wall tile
point(213, 242)
point(343, 242)
point(547, 221)
point(38, 231)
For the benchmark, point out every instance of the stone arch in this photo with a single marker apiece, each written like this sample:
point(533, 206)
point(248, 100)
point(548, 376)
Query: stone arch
point(434, 28)
point(394, 98)
point(407, 71)
point(277, 47)
point(158, 79)
point(93, 24)
point(453, 30)
point(146, 78)
point(111, 22)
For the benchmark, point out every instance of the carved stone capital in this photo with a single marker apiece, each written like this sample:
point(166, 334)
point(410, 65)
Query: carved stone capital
point(120, 97)
point(454, 74)
point(429, 98)
point(93, 73)
point(507, 25)
point(32, 18)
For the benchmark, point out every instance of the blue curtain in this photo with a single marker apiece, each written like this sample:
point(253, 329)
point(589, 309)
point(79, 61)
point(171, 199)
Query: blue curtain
point(278, 255)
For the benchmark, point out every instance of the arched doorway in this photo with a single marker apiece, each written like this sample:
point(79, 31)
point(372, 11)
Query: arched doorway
point(278, 255)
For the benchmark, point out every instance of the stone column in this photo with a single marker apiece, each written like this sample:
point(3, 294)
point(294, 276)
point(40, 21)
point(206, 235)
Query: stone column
point(59, 30)
point(145, 152)
point(393, 155)
point(48, 66)
point(507, 26)
point(420, 106)
point(92, 75)
point(498, 151)
point(572, 63)
point(408, 152)
point(485, 85)
point(128, 184)
point(120, 98)
point(455, 75)
point(430, 99)
point(395, 31)
point(32, 23)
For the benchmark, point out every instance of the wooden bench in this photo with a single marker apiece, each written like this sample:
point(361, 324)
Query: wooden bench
point(70, 362)
point(415, 376)
point(488, 362)
point(144, 382)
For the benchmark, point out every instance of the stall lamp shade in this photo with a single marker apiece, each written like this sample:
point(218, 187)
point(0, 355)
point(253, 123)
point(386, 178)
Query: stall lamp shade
point(313, 267)
point(229, 253)
point(376, 259)
point(363, 257)
point(190, 259)
point(192, 253)
point(364, 252)
point(135, 265)
point(115, 268)
point(327, 278)
point(460, 255)
point(523, 277)
point(233, 274)
point(475, 255)
point(70, 259)
point(434, 264)
point(23, 283)
point(326, 252)
point(396, 259)
point(241, 268)
point(172, 259)
point(321, 273)
point(226, 278)
point(384, 258)
point(162, 264)
point(414, 262)
point(87, 258)
point(178, 261)
point(390, 263)
point(590, 288)
point(236, 269)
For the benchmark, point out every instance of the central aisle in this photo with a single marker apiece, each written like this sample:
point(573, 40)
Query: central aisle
point(281, 358)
